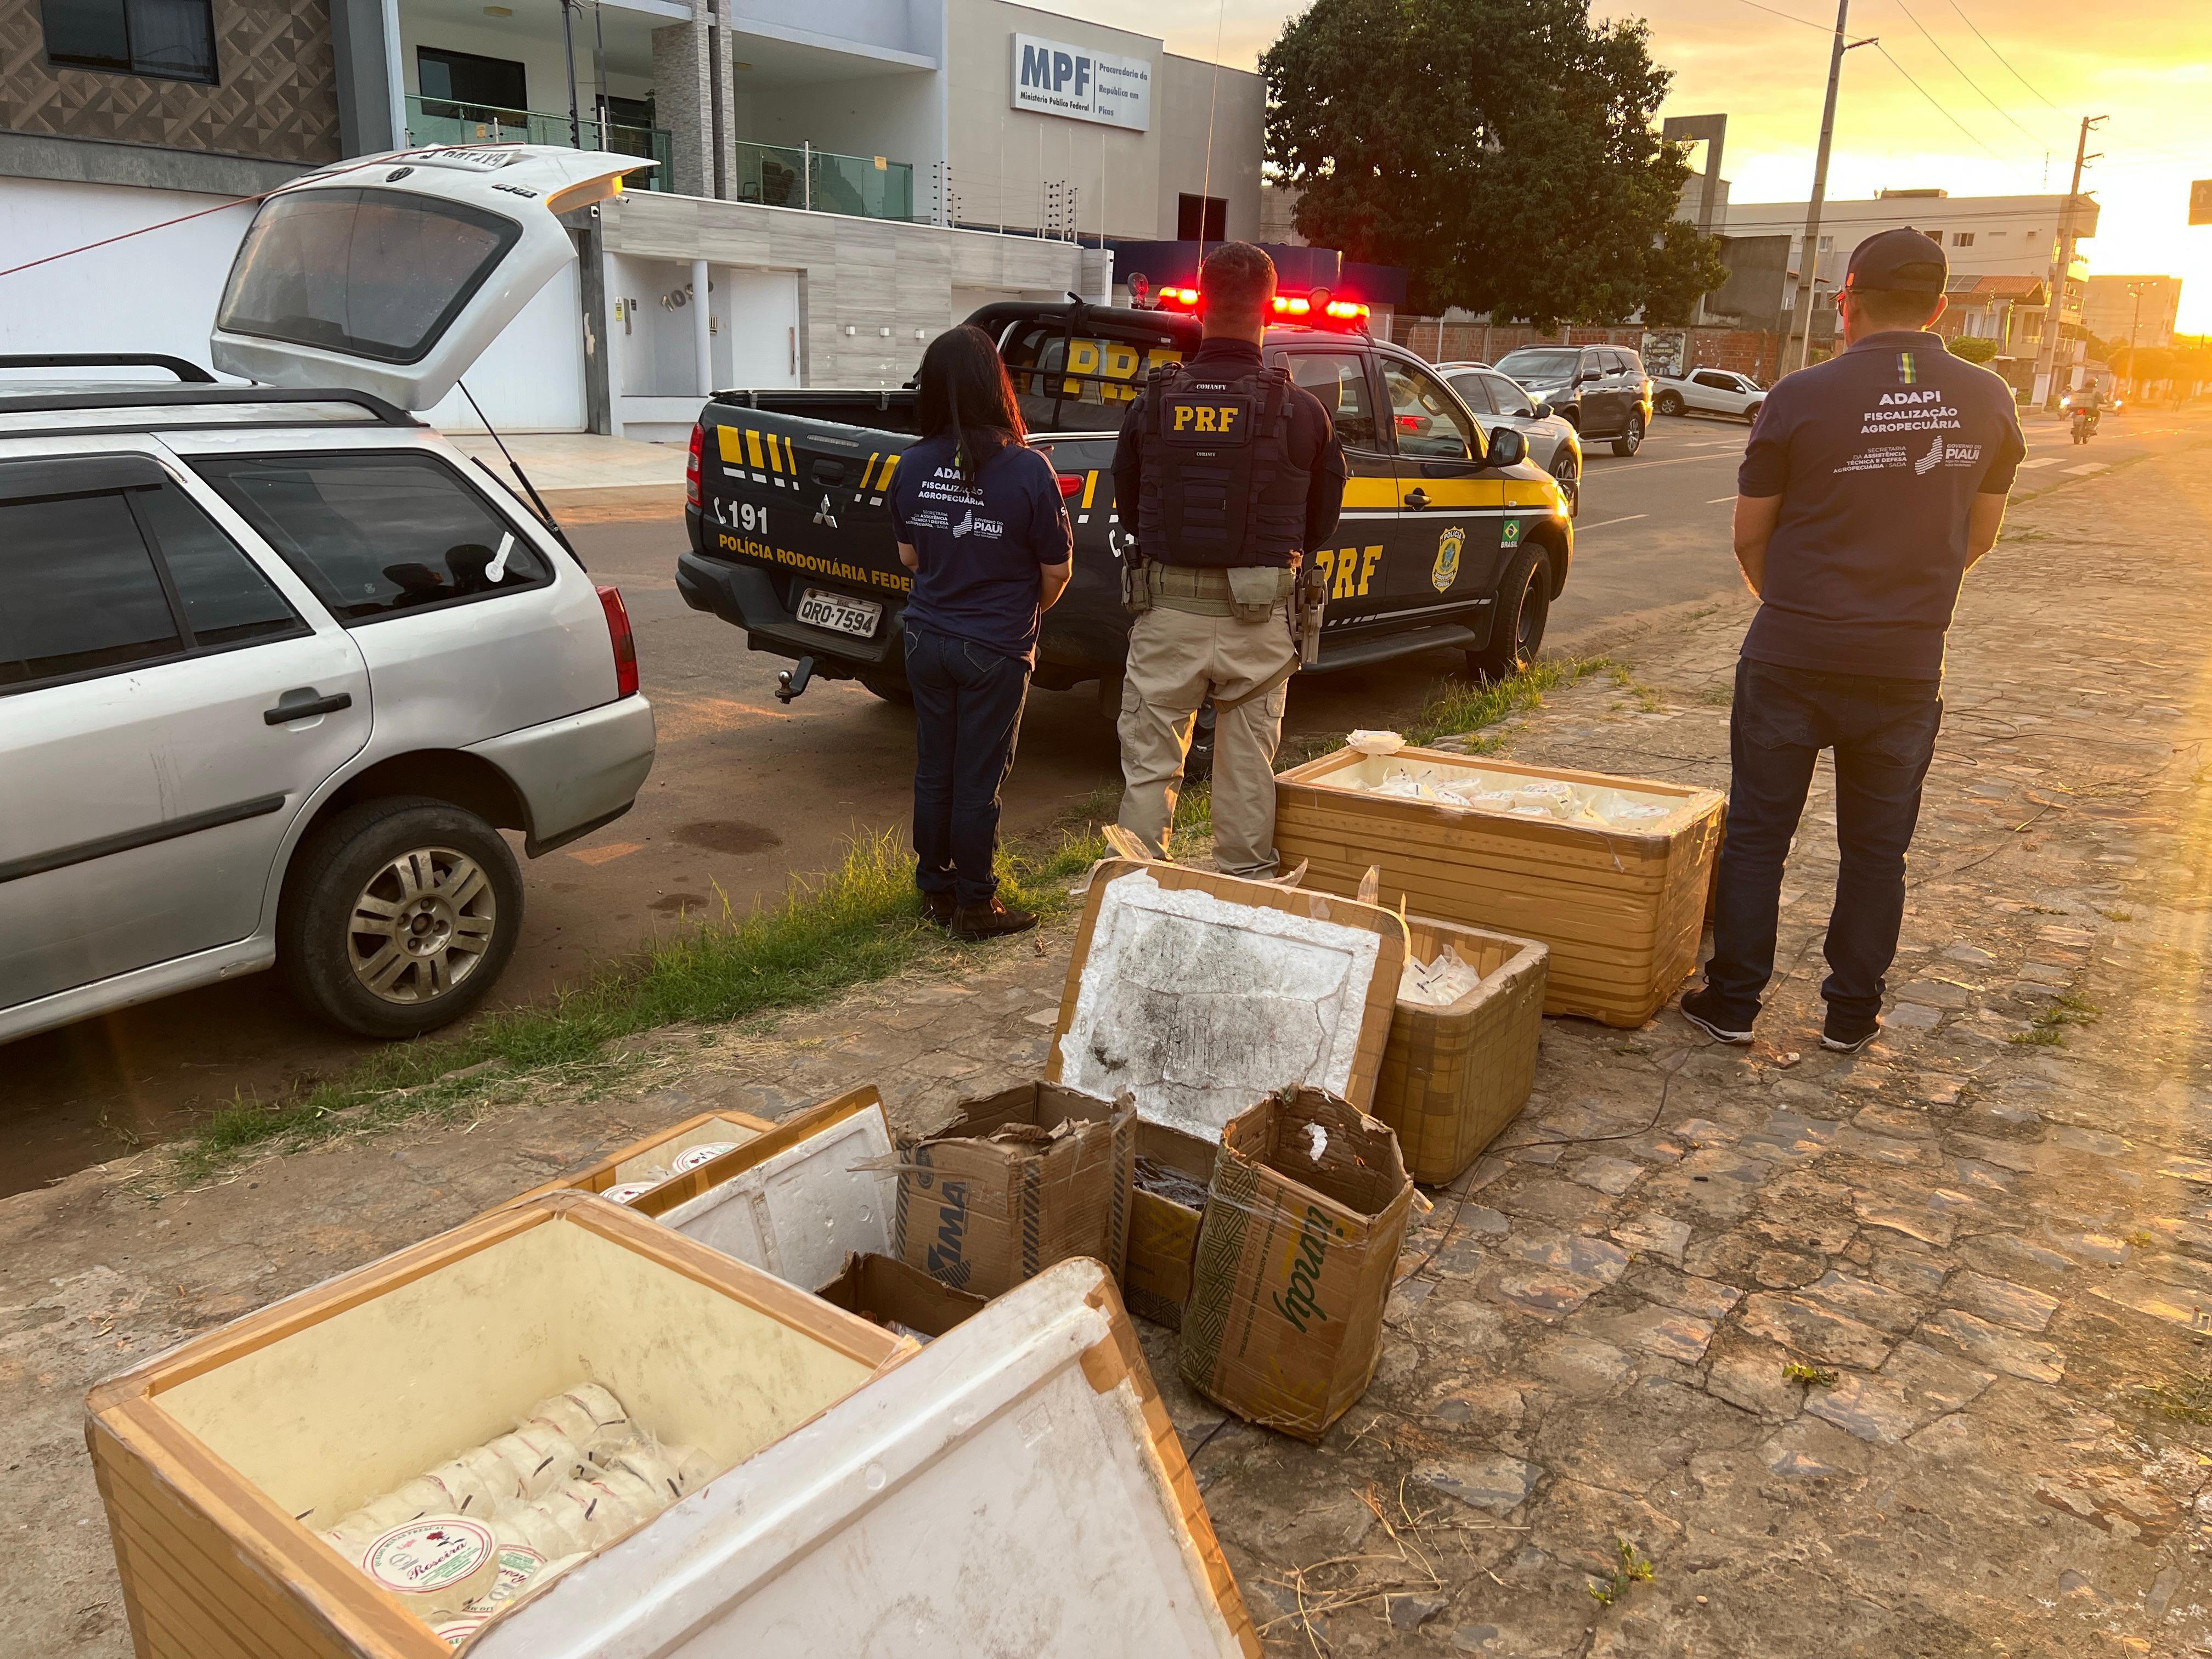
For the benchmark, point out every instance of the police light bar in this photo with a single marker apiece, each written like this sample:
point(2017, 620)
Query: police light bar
point(1318, 307)
point(1178, 296)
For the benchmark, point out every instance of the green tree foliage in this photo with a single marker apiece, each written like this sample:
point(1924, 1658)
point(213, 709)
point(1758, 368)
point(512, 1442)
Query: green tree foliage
point(1501, 151)
point(1973, 348)
point(1682, 267)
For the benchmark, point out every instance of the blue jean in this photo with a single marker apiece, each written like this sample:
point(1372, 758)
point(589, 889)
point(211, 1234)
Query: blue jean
point(1883, 732)
point(968, 709)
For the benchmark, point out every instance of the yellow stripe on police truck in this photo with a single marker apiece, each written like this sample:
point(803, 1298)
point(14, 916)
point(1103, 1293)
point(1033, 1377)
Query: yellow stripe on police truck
point(753, 448)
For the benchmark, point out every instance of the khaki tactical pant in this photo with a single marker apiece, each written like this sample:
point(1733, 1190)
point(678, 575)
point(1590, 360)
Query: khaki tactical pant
point(1176, 660)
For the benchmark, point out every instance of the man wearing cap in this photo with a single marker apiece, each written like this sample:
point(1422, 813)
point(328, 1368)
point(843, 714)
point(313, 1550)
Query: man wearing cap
point(1871, 484)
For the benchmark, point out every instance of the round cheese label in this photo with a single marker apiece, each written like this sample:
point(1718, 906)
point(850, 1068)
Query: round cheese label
point(440, 1559)
point(622, 1192)
point(693, 1157)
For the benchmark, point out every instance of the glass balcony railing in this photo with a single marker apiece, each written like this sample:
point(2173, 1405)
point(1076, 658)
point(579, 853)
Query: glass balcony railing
point(822, 181)
point(441, 121)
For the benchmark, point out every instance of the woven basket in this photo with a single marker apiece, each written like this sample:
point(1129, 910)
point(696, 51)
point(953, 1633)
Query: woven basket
point(1453, 1077)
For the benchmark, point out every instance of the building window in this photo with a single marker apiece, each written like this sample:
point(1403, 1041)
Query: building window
point(167, 40)
point(1962, 239)
point(468, 87)
point(1201, 219)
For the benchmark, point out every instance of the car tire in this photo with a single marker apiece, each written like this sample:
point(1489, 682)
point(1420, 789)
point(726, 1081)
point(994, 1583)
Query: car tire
point(383, 850)
point(1632, 440)
point(1516, 630)
point(1750, 414)
point(1670, 402)
point(890, 688)
point(1566, 472)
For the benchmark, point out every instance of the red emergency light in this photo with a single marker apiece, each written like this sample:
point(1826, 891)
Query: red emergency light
point(1318, 309)
point(1178, 296)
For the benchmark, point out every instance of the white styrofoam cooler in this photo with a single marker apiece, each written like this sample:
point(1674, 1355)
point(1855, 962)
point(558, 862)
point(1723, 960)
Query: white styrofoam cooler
point(796, 1211)
point(1014, 1488)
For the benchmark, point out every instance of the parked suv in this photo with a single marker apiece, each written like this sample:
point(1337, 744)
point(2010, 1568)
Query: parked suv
point(1602, 389)
point(277, 666)
point(1711, 391)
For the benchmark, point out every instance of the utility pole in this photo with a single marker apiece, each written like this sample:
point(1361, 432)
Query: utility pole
point(2135, 325)
point(568, 41)
point(2054, 304)
point(1808, 263)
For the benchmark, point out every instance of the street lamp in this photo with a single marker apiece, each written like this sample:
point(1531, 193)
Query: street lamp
point(2135, 380)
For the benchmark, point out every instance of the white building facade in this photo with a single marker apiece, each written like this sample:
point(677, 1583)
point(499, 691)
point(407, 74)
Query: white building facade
point(847, 177)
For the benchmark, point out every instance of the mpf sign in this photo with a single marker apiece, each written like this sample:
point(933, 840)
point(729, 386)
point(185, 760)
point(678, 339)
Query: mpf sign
point(1054, 78)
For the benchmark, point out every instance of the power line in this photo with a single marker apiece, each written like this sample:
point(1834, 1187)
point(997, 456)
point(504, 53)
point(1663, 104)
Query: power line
point(2001, 58)
point(1788, 17)
point(1938, 108)
point(1962, 74)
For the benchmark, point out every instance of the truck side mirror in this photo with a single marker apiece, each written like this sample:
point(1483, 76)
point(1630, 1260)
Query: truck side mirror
point(1506, 448)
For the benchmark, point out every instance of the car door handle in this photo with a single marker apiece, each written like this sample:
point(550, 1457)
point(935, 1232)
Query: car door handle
point(1417, 499)
point(307, 707)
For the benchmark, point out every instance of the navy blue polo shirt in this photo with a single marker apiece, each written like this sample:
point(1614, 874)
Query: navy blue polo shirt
point(980, 543)
point(1877, 455)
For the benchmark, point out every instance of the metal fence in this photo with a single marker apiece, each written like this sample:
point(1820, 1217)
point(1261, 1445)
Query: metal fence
point(822, 181)
point(441, 121)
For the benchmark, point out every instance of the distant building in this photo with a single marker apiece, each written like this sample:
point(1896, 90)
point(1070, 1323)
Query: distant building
point(2118, 309)
point(1279, 209)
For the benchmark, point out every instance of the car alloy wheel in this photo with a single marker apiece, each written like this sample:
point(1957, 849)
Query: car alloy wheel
point(1632, 439)
point(1568, 476)
point(422, 925)
point(1670, 402)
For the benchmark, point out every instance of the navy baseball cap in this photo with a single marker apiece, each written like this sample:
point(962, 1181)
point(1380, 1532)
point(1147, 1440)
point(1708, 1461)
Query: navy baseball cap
point(1900, 261)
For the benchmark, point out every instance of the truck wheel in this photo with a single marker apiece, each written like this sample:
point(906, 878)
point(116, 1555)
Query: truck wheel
point(399, 914)
point(1632, 440)
point(1670, 402)
point(1516, 631)
point(1750, 414)
point(890, 688)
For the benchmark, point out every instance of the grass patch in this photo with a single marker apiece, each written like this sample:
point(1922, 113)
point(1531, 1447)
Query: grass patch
point(2115, 915)
point(1635, 1568)
point(1458, 708)
point(1813, 1376)
point(2067, 1008)
point(1720, 693)
point(2188, 1401)
point(859, 923)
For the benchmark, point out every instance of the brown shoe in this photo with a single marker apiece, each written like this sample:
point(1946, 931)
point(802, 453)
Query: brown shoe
point(939, 908)
point(990, 921)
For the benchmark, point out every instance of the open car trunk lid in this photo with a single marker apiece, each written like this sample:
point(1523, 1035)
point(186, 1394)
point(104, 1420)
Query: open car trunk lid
point(391, 275)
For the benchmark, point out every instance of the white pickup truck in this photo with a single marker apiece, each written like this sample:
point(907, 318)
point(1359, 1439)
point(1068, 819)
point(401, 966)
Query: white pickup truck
point(1707, 391)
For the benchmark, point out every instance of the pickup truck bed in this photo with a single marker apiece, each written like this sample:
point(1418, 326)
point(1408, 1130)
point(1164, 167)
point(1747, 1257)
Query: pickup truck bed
point(791, 535)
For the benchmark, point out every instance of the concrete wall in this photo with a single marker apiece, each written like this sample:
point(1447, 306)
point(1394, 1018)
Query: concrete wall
point(900, 116)
point(543, 60)
point(1189, 94)
point(2014, 235)
point(861, 275)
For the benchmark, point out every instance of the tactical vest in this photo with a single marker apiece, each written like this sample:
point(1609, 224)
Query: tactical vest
point(1219, 486)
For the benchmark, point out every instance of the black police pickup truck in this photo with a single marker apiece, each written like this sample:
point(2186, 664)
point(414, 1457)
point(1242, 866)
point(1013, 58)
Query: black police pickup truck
point(1450, 539)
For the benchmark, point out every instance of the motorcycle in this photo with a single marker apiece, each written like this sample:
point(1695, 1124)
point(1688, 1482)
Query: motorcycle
point(2084, 420)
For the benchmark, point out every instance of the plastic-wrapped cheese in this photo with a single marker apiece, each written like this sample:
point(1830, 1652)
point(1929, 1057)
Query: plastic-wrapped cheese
point(541, 1458)
point(606, 1449)
point(382, 1514)
point(436, 1564)
point(623, 1191)
point(501, 1481)
point(606, 1412)
point(518, 1567)
point(673, 1472)
point(459, 1628)
point(692, 1157)
point(542, 1528)
point(465, 1489)
point(562, 1415)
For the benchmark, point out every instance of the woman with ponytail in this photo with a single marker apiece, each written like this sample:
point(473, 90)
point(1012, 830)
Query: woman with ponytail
point(983, 527)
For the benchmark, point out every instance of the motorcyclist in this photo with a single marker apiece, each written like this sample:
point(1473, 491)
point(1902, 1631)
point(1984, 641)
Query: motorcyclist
point(2087, 404)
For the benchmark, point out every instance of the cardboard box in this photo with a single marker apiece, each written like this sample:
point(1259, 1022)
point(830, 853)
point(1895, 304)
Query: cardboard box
point(884, 1291)
point(1453, 1077)
point(1199, 993)
point(1621, 908)
point(1164, 1232)
point(796, 1200)
point(209, 1456)
point(658, 1152)
point(1296, 1258)
point(1029, 1177)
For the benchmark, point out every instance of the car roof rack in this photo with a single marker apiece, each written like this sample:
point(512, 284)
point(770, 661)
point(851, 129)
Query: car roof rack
point(197, 394)
point(186, 373)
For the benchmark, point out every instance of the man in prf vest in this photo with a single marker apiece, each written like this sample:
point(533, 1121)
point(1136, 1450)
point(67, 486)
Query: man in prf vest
point(1229, 474)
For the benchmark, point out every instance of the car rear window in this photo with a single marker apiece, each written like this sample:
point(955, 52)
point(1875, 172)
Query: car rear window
point(375, 273)
point(377, 535)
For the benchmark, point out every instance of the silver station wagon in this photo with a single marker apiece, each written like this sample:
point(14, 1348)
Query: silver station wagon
point(277, 663)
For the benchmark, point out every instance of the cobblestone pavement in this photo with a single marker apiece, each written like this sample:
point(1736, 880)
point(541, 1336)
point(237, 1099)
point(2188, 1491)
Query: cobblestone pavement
point(1898, 1354)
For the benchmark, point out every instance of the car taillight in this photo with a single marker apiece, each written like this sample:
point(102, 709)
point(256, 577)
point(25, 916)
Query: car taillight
point(1071, 484)
point(690, 474)
point(624, 642)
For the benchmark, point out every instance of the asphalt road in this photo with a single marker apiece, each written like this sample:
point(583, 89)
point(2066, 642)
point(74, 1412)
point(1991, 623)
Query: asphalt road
point(746, 793)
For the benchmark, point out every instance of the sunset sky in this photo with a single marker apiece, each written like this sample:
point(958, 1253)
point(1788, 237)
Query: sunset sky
point(2147, 64)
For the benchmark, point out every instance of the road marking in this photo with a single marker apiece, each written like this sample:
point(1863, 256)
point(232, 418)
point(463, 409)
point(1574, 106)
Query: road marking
point(2040, 460)
point(1717, 499)
point(614, 849)
point(1584, 529)
point(2090, 466)
point(1679, 460)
